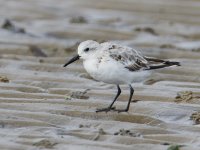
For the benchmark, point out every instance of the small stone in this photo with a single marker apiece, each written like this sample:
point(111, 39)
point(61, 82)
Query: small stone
point(4, 79)
point(146, 29)
point(195, 117)
point(81, 126)
point(45, 143)
point(101, 131)
point(79, 19)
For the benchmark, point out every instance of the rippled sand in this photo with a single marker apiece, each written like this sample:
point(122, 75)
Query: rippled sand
point(43, 105)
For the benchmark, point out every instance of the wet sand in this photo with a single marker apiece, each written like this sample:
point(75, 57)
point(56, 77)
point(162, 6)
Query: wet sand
point(46, 106)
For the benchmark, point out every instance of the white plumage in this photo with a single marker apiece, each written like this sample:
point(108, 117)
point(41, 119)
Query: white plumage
point(116, 64)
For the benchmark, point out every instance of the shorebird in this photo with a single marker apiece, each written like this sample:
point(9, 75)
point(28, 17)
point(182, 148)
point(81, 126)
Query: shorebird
point(117, 64)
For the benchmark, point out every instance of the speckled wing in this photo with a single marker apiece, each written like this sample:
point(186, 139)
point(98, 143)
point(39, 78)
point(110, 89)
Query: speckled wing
point(130, 58)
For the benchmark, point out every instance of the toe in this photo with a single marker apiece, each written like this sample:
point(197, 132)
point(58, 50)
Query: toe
point(105, 109)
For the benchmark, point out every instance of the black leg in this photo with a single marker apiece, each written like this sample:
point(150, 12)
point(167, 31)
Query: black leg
point(110, 107)
point(129, 101)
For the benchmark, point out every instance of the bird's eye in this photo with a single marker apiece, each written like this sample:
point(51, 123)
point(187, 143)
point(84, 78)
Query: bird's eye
point(86, 50)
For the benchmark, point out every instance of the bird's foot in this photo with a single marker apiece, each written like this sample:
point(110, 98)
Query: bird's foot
point(105, 109)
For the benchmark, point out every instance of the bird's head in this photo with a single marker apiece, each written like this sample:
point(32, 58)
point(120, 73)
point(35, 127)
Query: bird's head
point(86, 50)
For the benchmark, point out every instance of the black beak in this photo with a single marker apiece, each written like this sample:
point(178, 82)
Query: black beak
point(72, 60)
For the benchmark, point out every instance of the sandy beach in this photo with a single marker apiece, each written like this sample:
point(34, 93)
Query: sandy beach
point(46, 106)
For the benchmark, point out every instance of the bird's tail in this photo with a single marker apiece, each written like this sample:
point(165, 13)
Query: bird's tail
point(164, 64)
point(172, 63)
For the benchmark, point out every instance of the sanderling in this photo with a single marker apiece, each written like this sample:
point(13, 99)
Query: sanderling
point(116, 64)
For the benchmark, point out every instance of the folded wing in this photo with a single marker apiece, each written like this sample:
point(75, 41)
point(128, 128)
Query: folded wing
point(135, 61)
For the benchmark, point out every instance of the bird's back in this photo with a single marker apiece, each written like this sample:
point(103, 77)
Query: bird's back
point(132, 59)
